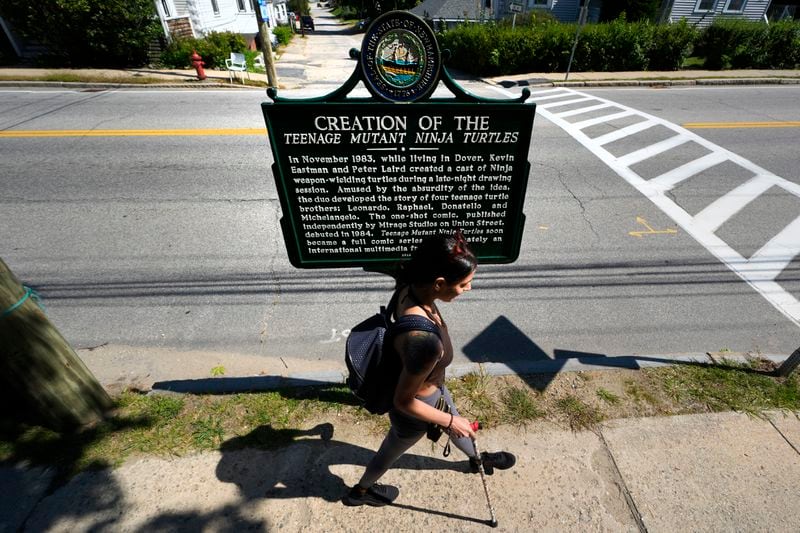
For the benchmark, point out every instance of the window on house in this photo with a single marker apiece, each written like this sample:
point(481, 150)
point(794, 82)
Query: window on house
point(538, 3)
point(734, 6)
point(240, 5)
point(704, 5)
point(215, 7)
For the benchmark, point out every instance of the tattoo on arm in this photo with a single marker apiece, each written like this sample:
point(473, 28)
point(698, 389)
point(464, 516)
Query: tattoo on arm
point(419, 351)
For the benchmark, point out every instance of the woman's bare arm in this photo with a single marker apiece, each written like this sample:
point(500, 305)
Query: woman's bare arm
point(420, 351)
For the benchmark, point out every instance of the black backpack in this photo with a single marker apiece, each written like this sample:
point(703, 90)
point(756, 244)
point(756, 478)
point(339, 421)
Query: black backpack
point(373, 365)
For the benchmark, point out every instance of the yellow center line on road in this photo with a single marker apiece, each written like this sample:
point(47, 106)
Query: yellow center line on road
point(733, 125)
point(131, 133)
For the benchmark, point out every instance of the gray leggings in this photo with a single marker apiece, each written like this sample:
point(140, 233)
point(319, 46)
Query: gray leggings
point(403, 434)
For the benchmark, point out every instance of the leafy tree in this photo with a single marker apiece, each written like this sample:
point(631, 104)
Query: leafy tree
point(298, 6)
point(111, 33)
point(373, 8)
point(635, 10)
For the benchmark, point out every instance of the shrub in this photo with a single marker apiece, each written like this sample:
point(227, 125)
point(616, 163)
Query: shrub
point(617, 45)
point(731, 43)
point(215, 48)
point(556, 45)
point(783, 45)
point(346, 12)
point(177, 52)
point(283, 34)
point(250, 59)
point(672, 45)
point(471, 46)
point(743, 44)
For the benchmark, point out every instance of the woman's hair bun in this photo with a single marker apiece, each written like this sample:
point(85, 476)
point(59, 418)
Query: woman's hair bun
point(438, 256)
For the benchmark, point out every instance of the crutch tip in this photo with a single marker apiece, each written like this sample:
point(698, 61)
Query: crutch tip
point(493, 523)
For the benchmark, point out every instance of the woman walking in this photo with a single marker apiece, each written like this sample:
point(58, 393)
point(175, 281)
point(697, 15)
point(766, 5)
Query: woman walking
point(441, 268)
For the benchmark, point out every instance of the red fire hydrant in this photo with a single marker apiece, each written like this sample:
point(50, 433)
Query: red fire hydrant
point(197, 63)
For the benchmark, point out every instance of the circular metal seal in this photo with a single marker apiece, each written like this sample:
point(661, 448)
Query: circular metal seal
point(400, 58)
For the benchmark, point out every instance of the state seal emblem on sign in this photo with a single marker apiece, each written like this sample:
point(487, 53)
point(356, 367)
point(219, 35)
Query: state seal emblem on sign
point(400, 58)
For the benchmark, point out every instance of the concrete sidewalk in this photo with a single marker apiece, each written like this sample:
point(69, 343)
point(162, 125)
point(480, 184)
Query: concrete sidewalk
point(337, 73)
point(716, 472)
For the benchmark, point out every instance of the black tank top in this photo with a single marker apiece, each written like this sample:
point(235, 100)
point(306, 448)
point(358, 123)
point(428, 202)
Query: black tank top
point(437, 373)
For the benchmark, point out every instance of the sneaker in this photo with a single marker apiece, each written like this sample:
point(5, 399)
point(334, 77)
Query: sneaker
point(499, 460)
point(377, 495)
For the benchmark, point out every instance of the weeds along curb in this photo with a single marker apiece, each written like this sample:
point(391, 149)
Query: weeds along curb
point(656, 82)
point(100, 85)
point(520, 83)
point(230, 385)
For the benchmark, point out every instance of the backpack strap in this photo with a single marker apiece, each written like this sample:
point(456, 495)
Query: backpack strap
point(389, 309)
point(408, 323)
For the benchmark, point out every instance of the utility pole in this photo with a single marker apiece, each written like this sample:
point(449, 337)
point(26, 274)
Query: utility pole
point(266, 45)
point(39, 369)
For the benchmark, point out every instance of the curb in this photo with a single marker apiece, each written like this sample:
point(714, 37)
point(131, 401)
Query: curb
point(506, 85)
point(100, 85)
point(649, 83)
point(228, 385)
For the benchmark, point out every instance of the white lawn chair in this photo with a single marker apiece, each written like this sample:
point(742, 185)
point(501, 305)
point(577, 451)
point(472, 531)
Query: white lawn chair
point(259, 61)
point(236, 63)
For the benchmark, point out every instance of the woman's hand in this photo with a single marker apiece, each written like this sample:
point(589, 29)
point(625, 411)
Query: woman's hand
point(461, 427)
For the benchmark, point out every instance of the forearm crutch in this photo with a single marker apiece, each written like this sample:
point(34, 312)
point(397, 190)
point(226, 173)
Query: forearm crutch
point(493, 520)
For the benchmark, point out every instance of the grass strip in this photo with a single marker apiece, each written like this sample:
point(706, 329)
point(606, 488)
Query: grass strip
point(176, 425)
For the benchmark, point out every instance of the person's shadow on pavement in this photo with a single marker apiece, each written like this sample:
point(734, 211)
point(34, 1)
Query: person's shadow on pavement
point(294, 464)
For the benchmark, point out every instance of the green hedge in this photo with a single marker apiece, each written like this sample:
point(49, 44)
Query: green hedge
point(215, 48)
point(743, 44)
point(496, 49)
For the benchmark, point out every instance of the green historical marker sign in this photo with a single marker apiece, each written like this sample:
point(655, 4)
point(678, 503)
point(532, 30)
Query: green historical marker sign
point(362, 181)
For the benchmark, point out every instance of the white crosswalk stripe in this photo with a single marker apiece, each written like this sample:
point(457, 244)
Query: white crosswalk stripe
point(762, 268)
point(713, 216)
point(669, 179)
point(583, 110)
point(623, 132)
point(599, 120)
point(653, 150)
point(568, 102)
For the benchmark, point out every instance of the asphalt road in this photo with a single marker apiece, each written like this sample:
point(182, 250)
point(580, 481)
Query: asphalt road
point(171, 239)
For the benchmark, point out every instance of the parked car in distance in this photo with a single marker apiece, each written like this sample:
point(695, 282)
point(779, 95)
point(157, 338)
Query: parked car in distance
point(294, 20)
point(308, 22)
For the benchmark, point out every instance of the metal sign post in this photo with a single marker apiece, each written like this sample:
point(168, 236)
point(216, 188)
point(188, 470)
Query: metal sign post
point(514, 8)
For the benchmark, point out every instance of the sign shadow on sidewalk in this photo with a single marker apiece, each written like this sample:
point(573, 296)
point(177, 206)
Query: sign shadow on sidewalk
point(296, 463)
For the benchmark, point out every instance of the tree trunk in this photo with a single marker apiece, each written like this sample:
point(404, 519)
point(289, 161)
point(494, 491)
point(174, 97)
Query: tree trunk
point(39, 370)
